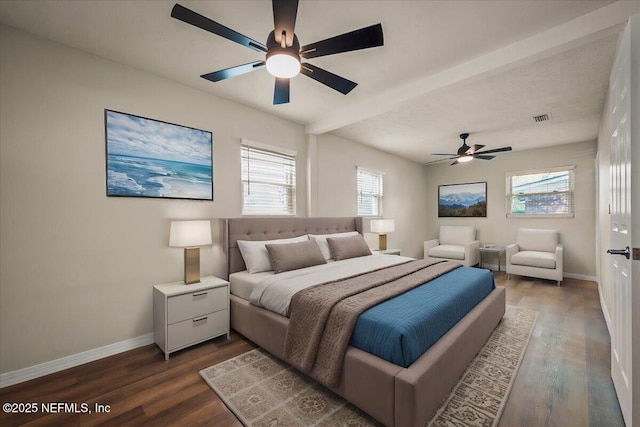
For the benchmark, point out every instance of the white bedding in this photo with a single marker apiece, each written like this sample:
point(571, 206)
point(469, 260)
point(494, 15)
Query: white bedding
point(241, 284)
point(274, 291)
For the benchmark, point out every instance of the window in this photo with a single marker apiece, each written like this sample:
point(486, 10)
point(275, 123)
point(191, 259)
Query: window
point(369, 193)
point(540, 193)
point(268, 182)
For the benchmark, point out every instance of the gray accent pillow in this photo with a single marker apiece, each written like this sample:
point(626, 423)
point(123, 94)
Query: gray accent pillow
point(255, 255)
point(292, 256)
point(321, 240)
point(348, 247)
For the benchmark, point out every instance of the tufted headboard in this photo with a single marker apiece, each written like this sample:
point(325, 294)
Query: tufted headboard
point(278, 228)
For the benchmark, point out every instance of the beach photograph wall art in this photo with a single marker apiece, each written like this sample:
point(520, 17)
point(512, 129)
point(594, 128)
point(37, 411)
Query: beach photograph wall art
point(152, 158)
point(462, 200)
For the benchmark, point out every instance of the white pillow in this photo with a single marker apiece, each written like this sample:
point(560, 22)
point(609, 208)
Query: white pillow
point(255, 254)
point(321, 240)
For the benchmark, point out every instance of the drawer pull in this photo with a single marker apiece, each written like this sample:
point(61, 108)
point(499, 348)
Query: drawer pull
point(200, 319)
point(200, 294)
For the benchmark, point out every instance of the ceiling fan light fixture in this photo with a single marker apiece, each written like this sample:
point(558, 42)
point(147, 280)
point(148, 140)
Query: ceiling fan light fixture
point(283, 55)
point(466, 153)
point(283, 63)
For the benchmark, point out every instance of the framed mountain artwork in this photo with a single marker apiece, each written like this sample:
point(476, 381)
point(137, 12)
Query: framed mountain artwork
point(462, 200)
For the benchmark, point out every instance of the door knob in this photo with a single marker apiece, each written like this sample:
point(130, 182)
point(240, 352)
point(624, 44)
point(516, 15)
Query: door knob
point(626, 252)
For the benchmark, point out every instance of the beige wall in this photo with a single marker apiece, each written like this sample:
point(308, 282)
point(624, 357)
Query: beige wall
point(577, 234)
point(336, 190)
point(77, 267)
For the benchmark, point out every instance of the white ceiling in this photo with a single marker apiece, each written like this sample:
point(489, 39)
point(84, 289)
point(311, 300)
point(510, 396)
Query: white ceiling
point(447, 67)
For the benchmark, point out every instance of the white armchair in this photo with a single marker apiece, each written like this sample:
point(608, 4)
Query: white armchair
point(536, 253)
point(455, 243)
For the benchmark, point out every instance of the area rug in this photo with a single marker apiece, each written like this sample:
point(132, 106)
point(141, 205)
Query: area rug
point(263, 391)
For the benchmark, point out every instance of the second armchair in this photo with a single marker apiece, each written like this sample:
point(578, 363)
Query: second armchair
point(536, 253)
point(455, 243)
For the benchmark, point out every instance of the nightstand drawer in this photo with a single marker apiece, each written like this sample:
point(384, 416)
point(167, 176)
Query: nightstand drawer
point(197, 329)
point(198, 303)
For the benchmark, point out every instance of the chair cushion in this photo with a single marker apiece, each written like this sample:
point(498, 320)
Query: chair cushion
point(537, 240)
point(456, 234)
point(447, 251)
point(534, 259)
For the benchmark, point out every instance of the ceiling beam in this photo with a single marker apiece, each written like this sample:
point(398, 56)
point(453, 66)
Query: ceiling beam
point(576, 32)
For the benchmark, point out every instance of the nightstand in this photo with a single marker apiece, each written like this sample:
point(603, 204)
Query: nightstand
point(184, 315)
point(386, 252)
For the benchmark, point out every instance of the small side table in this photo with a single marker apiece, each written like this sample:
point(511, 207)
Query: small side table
point(498, 250)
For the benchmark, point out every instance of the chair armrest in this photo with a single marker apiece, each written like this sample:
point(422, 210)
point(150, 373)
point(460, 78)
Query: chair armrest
point(428, 245)
point(559, 254)
point(512, 249)
point(472, 252)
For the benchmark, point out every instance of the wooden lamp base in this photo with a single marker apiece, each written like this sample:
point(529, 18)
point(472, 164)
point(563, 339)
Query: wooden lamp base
point(191, 265)
point(382, 242)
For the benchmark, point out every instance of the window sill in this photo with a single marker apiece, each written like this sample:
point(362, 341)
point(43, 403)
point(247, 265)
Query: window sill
point(548, 216)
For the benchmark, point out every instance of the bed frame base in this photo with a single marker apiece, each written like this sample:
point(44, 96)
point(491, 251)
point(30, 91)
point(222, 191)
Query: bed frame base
point(395, 396)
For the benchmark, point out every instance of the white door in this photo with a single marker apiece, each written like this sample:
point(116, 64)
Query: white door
point(624, 152)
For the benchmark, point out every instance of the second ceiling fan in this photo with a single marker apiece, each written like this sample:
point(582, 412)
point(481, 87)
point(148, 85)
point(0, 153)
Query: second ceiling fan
point(283, 51)
point(466, 153)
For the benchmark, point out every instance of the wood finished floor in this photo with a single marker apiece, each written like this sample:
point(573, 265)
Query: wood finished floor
point(564, 379)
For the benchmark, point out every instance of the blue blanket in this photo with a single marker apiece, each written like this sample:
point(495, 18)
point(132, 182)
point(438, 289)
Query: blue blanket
point(401, 329)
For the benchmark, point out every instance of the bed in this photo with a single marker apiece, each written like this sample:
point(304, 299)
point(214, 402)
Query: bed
point(392, 394)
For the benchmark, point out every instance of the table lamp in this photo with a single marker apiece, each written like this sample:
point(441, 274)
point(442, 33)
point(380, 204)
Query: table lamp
point(190, 235)
point(382, 227)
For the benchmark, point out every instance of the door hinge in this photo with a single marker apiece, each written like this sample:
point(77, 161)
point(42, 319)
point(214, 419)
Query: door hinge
point(635, 254)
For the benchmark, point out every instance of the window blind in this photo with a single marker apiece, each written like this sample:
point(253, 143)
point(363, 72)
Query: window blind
point(370, 186)
point(268, 182)
point(541, 193)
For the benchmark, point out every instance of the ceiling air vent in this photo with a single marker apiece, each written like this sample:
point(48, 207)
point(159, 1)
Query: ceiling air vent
point(541, 117)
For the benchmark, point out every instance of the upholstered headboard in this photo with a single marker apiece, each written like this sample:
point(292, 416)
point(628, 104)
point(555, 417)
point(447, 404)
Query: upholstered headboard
point(278, 228)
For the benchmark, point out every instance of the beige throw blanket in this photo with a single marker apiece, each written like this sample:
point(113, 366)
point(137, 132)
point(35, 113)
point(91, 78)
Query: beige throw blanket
point(322, 317)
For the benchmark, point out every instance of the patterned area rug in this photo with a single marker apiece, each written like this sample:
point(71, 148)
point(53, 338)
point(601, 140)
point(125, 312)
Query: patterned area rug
point(263, 391)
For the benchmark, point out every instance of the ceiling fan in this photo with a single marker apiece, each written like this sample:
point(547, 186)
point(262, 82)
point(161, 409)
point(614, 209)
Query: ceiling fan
point(283, 51)
point(466, 153)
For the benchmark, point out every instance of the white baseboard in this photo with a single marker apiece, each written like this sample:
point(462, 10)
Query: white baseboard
point(46, 368)
point(494, 267)
point(580, 277)
point(607, 318)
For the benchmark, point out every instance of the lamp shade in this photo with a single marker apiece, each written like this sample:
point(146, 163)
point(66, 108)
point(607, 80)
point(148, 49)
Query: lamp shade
point(383, 226)
point(190, 233)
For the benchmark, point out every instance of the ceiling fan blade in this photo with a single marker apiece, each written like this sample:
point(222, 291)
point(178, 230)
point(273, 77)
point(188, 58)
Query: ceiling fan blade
point(474, 148)
point(443, 154)
point(284, 19)
point(476, 156)
point(334, 81)
point(495, 150)
point(363, 38)
point(454, 163)
point(281, 91)
point(238, 70)
point(193, 18)
point(441, 160)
